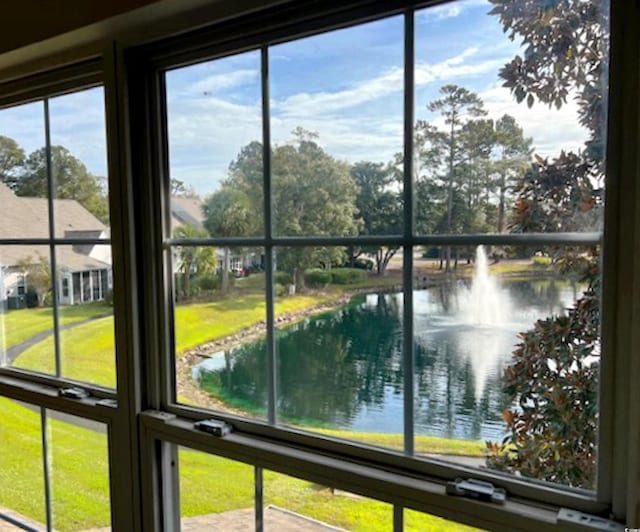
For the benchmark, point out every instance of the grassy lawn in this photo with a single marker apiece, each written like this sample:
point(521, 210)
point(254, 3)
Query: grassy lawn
point(20, 325)
point(88, 350)
point(79, 476)
point(81, 496)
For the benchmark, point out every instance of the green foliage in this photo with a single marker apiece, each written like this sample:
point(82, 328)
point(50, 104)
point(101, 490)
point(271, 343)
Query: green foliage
point(71, 180)
point(11, 160)
point(347, 275)
point(553, 377)
point(317, 277)
point(282, 277)
point(541, 261)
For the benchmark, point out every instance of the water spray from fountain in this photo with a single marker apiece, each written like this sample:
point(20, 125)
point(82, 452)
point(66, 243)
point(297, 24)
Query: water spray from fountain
point(485, 303)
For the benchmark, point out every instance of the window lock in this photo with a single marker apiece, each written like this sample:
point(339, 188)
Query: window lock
point(213, 426)
point(476, 489)
point(73, 393)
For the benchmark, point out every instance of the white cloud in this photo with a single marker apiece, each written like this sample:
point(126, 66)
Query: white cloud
point(552, 129)
point(218, 82)
point(307, 104)
point(449, 10)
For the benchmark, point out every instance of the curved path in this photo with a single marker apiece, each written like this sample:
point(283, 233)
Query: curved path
point(15, 351)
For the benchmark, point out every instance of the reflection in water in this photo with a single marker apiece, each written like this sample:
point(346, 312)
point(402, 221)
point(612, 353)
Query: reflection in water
point(344, 369)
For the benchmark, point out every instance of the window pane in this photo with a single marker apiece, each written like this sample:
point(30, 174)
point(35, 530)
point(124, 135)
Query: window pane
point(220, 328)
point(23, 182)
point(85, 311)
point(25, 299)
point(215, 493)
point(293, 504)
point(22, 491)
point(339, 344)
point(508, 345)
point(79, 472)
point(501, 115)
point(337, 123)
point(214, 115)
point(421, 522)
point(78, 164)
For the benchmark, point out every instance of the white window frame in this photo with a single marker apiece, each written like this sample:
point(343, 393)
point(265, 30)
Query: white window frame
point(145, 423)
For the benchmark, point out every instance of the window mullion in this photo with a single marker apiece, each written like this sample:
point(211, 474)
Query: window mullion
point(45, 466)
point(269, 251)
point(408, 355)
point(52, 235)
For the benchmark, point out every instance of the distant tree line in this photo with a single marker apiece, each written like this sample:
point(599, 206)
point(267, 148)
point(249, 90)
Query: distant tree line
point(26, 175)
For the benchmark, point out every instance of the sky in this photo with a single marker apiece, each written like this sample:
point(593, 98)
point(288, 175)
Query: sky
point(346, 86)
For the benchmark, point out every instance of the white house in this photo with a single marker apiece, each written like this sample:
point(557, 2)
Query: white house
point(83, 270)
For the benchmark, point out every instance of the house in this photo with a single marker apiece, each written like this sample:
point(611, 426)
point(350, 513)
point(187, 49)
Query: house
point(83, 269)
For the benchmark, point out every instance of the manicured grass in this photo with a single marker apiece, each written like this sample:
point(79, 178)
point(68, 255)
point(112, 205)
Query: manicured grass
point(88, 350)
point(205, 488)
point(20, 325)
point(423, 444)
point(79, 476)
point(78, 467)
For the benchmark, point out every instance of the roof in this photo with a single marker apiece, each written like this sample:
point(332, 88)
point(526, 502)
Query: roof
point(187, 211)
point(22, 217)
point(29, 217)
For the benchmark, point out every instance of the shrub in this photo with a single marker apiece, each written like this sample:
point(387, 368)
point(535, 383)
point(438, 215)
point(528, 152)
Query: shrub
point(317, 278)
point(363, 264)
point(31, 298)
point(208, 282)
point(347, 275)
point(108, 298)
point(281, 290)
point(553, 379)
point(541, 260)
point(282, 277)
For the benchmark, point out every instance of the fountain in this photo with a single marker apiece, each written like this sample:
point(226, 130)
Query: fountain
point(485, 310)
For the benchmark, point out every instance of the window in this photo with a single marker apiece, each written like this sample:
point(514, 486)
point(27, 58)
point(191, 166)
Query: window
point(367, 239)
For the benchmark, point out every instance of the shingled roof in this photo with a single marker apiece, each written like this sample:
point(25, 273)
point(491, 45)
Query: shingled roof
point(22, 217)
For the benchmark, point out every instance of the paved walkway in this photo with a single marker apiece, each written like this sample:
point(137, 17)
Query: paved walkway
point(275, 520)
point(16, 350)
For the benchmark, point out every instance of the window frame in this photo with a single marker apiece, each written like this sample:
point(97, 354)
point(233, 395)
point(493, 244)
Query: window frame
point(232, 38)
point(143, 420)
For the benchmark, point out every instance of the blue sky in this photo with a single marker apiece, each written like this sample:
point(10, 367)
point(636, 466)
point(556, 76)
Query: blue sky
point(346, 85)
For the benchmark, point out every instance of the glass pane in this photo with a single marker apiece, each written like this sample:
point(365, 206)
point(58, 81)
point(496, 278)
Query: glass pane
point(79, 164)
point(215, 493)
point(507, 344)
point(22, 492)
point(220, 311)
point(337, 126)
point(421, 522)
point(214, 115)
point(506, 110)
point(25, 300)
point(79, 472)
point(23, 182)
point(292, 504)
point(339, 344)
point(85, 310)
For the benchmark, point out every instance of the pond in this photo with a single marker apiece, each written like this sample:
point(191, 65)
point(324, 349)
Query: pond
point(343, 369)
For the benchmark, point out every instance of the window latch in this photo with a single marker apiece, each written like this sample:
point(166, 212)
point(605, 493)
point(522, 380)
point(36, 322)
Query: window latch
point(213, 426)
point(476, 489)
point(73, 393)
point(574, 521)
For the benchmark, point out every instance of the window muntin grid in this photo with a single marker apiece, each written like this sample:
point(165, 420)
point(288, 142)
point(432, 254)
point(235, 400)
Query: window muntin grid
point(407, 241)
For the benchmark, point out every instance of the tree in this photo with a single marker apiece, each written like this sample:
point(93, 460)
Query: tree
point(228, 213)
point(38, 274)
point(179, 189)
point(11, 160)
point(193, 260)
point(379, 205)
point(313, 195)
point(515, 154)
point(458, 106)
point(71, 180)
point(553, 376)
